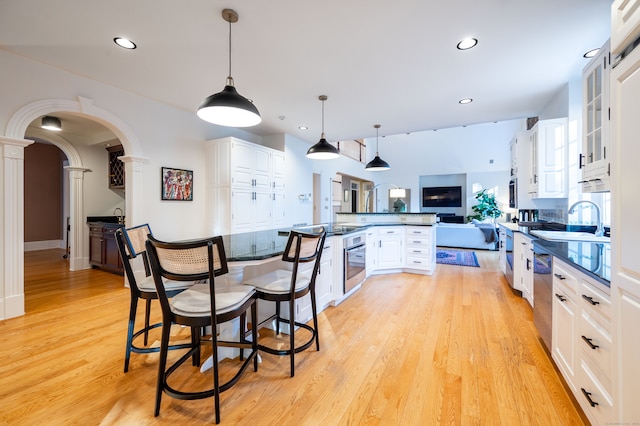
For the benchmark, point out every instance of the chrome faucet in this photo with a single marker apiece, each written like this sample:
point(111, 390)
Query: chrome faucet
point(120, 216)
point(600, 227)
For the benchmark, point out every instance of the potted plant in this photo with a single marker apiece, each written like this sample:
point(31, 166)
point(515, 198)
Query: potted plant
point(486, 206)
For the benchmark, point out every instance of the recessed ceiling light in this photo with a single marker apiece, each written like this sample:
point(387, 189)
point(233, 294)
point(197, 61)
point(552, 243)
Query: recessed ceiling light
point(124, 42)
point(465, 101)
point(303, 128)
point(467, 43)
point(591, 53)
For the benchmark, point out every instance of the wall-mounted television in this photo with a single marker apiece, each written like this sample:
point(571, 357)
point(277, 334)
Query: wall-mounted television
point(442, 196)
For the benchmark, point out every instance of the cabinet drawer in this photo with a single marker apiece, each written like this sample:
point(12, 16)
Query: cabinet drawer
point(418, 242)
point(593, 398)
point(417, 251)
point(595, 300)
point(382, 232)
point(424, 231)
point(595, 342)
point(564, 278)
point(418, 262)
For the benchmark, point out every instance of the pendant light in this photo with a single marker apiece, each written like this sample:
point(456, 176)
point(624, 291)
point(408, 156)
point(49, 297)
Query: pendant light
point(323, 150)
point(51, 123)
point(377, 164)
point(228, 107)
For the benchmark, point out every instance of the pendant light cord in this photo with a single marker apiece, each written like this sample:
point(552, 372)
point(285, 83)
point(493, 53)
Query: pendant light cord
point(323, 118)
point(229, 49)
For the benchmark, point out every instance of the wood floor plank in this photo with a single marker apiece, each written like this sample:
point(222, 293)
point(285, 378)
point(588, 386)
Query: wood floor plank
point(457, 347)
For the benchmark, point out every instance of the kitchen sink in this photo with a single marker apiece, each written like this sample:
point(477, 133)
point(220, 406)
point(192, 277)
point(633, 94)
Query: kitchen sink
point(569, 236)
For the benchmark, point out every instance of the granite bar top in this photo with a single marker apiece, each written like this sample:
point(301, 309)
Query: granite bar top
point(594, 259)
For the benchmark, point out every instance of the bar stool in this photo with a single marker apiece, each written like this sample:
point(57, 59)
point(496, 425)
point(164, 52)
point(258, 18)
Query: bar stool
point(131, 245)
point(289, 285)
point(200, 306)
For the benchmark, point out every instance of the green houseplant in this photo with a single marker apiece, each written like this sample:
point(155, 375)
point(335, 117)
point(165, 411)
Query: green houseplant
point(486, 206)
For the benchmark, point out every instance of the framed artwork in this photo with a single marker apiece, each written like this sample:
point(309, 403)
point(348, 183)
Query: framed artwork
point(177, 184)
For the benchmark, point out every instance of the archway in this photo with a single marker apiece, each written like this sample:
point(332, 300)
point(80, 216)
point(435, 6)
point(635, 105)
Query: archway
point(13, 178)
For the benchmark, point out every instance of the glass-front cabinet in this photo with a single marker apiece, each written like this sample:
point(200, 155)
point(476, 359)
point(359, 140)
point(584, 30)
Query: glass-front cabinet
point(594, 160)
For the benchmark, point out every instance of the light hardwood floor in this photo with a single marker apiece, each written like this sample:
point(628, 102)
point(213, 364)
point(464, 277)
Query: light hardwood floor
point(454, 348)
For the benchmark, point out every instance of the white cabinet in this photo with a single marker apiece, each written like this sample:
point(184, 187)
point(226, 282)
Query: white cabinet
point(390, 247)
point(594, 159)
point(564, 321)
point(327, 278)
point(372, 250)
point(625, 250)
point(548, 171)
point(420, 246)
point(245, 186)
point(523, 266)
point(581, 340)
point(625, 24)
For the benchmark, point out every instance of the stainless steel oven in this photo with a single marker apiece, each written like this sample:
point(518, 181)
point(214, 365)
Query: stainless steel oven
point(354, 260)
point(513, 193)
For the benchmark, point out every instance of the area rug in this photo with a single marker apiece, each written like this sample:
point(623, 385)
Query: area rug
point(457, 257)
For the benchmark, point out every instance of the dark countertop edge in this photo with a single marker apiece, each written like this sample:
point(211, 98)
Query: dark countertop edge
point(109, 224)
point(391, 213)
point(552, 248)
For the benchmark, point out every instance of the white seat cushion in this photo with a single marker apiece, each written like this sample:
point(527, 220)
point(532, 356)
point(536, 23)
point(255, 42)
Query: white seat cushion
point(278, 282)
point(195, 301)
point(147, 284)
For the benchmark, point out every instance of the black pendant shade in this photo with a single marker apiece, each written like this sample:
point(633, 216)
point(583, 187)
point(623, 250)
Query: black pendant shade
point(377, 164)
point(228, 107)
point(51, 123)
point(323, 150)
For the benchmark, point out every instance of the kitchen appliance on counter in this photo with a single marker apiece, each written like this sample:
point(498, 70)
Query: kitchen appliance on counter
point(543, 294)
point(354, 260)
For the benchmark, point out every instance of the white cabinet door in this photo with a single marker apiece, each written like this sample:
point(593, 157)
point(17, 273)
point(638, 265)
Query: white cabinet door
point(390, 248)
point(594, 159)
point(242, 208)
point(372, 250)
point(261, 210)
point(241, 164)
point(522, 270)
point(625, 24)
point(277, 210)
point(564, 325)
point(277, 169)
point(326, 275)
point(502, 246)
point(548, 175)
point(262, 168)
point(625, 250)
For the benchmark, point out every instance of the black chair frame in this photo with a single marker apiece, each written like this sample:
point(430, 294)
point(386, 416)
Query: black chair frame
point(197, 324)
point(127, 254)
point(295, 241)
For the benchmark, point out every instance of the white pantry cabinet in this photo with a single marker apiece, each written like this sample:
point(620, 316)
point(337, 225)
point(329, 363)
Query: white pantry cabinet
point(245, 186)
point(548, 147)
point(594, 159)
point(625, 24)
point(625, 203)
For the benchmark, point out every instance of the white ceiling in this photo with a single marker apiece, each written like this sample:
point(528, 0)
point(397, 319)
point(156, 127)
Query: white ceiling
point(393, 63)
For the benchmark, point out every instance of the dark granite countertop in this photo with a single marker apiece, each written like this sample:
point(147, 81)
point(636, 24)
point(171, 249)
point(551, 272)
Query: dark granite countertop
point(594, 259)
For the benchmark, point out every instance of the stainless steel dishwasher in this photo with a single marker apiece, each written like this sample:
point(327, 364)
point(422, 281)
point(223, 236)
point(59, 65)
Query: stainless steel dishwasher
point(542, 294)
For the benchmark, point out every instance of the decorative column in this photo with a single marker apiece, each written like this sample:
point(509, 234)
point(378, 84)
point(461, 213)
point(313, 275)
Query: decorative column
point(12, 227)
point(133, 188)
point(79, 252)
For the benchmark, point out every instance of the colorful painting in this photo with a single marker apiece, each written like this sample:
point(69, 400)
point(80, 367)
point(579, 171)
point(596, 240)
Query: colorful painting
point(177, 184)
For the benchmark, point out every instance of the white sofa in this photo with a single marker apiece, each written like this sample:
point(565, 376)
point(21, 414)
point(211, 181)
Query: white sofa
point(463, 235)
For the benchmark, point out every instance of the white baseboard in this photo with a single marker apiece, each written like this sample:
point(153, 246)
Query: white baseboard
point(43, 245)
